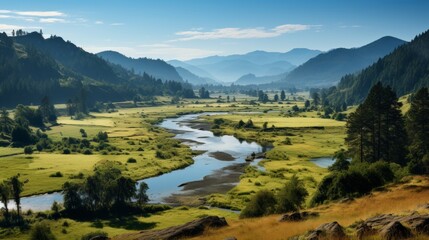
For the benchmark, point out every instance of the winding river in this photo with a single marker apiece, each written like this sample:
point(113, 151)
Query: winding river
point(209, 173)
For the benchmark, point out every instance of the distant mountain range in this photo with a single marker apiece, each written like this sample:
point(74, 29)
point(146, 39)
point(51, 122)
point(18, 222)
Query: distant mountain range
point(251, 79)
point(156, 68)
point(193, 79)
point(326, 69)
point(259, 63)
point(405, 70)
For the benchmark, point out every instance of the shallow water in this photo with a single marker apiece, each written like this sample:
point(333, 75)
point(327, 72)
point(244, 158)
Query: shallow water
point(163, 186)
point(323, 162)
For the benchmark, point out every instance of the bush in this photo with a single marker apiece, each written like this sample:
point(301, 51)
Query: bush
point(28, 150)
point(131, 160)
point(66, 151)
point(57, 174)
point(262, 203)
point(91, 235)
point(41, 231)
point(87, 151)
point(291, 196)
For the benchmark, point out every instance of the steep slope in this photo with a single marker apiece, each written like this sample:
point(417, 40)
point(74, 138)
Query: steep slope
point(405, 70)
point(327, 68)
point(71, 56)
point(193, 79)
point(156, 68)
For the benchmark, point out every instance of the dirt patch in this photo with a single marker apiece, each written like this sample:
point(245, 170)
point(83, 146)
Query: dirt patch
point(222, 156)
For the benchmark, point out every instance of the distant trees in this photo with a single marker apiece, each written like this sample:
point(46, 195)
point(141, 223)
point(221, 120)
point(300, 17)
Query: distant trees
point(316, 98)
point(276, 98)
point(204, 93)
point(5, 195)
point(262, 97)
point(417, 125)
point(47, 110)
point(17, 188)
point(376, 129)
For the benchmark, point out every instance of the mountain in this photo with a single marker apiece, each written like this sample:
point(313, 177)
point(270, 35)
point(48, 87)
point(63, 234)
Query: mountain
point(326, 69)
point(405, 70)
point(32, 67)
point(156, 68)
point(260, 63)
point(191, 68)
point(194, 79)
point(250, 79)
point(71, 56)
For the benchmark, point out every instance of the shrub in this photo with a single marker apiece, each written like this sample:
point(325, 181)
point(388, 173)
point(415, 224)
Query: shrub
point(262, 203)
point(28, 150)
point(131, 160)
point(66, 151)
point(91, 235)
point(57, 174)
point(87, 151)
point(41, 231)
point(291, 196)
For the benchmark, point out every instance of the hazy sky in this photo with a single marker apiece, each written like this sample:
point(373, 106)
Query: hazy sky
point(185, 29)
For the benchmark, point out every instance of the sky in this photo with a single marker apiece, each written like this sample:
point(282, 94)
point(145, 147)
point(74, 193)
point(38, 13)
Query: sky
point(187, 29)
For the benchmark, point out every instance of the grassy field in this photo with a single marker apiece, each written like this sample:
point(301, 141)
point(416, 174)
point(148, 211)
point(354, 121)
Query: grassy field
point(397, 199)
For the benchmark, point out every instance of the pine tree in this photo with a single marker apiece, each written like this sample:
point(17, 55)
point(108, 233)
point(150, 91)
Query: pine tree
point(283, 95)
point(376, 130)
point(417, 123)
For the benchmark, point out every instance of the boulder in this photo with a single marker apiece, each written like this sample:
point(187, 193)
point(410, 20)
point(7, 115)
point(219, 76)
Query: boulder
point(363, 231)
point(395, 231)
point(331, 230)
point(297, 216)
point(421, 225)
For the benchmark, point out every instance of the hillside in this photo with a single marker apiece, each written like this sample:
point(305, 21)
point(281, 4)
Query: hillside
point(71, 56)
point(191, 68)
point(193, 79)
point(405, 70)
point(327, 68)
point(156, 68)
point(250, 79)
point(33, 67)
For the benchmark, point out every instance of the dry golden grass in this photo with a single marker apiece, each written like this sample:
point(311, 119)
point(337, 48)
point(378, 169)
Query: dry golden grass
point(398, 199)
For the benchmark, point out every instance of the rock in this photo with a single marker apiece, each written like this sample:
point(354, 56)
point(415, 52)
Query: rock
point(421, 225)
point(364, 231)
point(189, 229)
point(395, 231)
point(331, 230)
point(297, 216)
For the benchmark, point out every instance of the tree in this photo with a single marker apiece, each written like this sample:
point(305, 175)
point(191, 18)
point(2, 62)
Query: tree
point(417, 125)
point(227, 98)
point(265, 125)
point(376, 129)
point(341, 162)
point(28, 150)
point(316, 99)
point(47, 110)
point(142, 197)
point(71, 195)
point(282, 95)
point(291, 196)
point(125, 189)
point(276, 98)
point(6, 123)
point(5, 195)
point(204, 93)
point(261, 204)
point(307, 104)
point(17, 188)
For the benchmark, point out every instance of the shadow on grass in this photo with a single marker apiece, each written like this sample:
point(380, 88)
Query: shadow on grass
point(130, 223)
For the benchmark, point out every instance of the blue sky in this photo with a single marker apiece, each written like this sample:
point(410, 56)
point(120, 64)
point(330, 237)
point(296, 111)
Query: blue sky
point(185, 29)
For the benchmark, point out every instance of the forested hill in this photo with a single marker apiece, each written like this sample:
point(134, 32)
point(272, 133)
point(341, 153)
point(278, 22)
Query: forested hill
point(32, 67)
point(156, 68)
point(326, 69)
point(71, 56)
point(406, 70)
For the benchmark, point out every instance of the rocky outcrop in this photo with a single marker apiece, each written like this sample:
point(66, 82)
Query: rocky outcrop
point(331, 230)
point(189, 229)
point(395, 231)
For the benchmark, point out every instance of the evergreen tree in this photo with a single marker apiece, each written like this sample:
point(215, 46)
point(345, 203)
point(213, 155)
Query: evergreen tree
point(17, 188)
point(47, 110)
point(283, 95)
point(417, 123)
point(316, 99)
point(307, 104)
point(376, 130)
point(276, 98)
point(6, 123)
